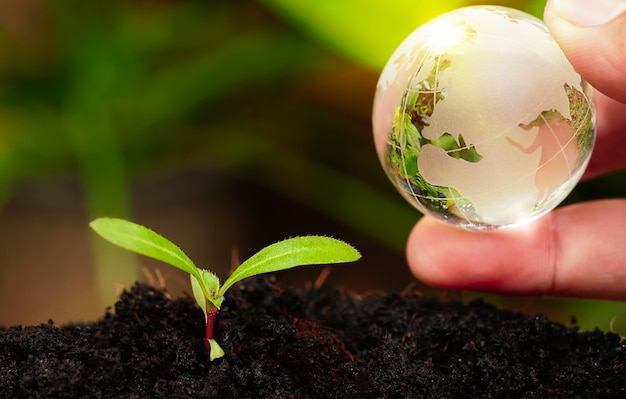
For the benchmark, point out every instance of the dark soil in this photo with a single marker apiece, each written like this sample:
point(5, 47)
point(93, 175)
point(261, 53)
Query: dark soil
point(316, 343)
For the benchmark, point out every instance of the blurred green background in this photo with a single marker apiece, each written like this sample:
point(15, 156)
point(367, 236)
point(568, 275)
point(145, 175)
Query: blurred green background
point(224, 125)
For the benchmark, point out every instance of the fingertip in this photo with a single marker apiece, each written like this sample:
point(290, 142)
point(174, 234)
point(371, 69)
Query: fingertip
point(597, 52)
point(425, 252)
point(575, 251)
point(512, 261)
point(443, 255)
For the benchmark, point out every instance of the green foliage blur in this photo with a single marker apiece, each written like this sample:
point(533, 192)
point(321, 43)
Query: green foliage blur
point(274, 92)
point(107, 89)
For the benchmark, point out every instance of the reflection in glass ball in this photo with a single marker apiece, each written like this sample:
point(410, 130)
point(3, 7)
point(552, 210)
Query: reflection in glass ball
point(481, 121)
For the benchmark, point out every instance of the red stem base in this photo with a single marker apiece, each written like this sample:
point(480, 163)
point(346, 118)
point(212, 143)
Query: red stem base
point(210, 323)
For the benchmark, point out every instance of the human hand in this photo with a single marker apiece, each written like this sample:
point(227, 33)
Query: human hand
point(578, 250)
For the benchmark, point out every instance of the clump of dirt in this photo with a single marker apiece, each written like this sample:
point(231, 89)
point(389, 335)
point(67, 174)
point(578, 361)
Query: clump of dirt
point(314, 343)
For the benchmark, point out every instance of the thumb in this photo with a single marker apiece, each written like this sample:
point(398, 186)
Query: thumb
point(592, 33)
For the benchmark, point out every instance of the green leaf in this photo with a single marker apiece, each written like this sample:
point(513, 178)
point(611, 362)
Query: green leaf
point(143, 241)
point(216, 351)
point(298, 251)
point(207, 289)
point(198, 295)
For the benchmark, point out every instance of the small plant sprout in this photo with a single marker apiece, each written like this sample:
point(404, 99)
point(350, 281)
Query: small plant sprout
point(206, 288)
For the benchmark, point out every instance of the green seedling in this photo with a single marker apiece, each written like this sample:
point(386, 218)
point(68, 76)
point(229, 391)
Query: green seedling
point(206, 288)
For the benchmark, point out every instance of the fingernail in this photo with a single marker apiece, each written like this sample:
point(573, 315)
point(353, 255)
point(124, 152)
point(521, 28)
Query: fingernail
point(588, 12)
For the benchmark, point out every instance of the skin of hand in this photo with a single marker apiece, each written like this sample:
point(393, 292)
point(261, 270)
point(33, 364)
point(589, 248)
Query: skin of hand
point(575, 251)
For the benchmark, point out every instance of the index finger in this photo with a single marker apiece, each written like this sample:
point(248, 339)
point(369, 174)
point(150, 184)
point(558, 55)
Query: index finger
point(576, 251)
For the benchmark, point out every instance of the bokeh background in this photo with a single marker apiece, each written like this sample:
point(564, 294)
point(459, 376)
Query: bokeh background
point(225, 125)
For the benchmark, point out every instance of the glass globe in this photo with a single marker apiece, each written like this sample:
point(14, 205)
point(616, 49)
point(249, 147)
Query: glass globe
point(480, 120)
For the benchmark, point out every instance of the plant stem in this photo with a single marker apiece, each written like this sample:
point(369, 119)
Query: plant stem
point(210, 323)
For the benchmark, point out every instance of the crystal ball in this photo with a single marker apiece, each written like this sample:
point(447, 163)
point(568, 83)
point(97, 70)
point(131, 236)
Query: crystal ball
point(480, 120)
